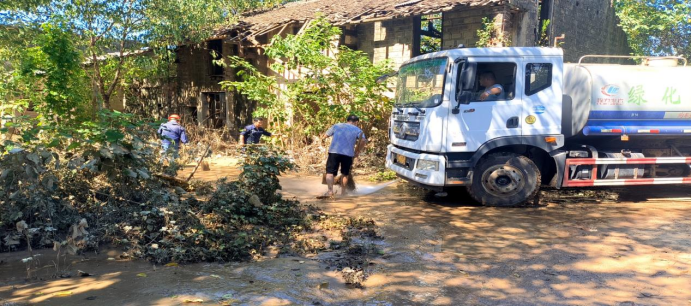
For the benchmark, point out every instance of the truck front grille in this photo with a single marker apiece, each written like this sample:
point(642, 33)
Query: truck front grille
point(406, 130)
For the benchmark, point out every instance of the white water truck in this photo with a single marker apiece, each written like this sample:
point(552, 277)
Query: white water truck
point(555, 124)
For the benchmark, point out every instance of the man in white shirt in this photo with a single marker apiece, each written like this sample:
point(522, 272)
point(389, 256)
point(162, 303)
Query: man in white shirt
point(493, 91)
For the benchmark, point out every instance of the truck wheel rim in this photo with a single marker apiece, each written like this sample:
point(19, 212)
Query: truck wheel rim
point(503, 180)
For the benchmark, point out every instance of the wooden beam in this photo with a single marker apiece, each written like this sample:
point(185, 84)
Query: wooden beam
point(415, 49)
point(350, 32)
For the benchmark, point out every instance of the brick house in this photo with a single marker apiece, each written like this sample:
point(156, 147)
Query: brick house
point(385, 30)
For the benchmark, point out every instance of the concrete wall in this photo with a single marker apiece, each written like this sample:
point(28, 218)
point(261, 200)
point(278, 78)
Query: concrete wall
point(521, 19)
point(390, 39)
point(460, 26)
point(590, 27)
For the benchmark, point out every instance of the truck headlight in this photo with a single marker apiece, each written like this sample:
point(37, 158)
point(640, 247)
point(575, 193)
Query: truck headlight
point(430, 165)
point(396, 128)
point(413, 131)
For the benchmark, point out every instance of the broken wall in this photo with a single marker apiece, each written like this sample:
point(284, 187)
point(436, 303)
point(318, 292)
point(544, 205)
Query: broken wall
point(199, 89)
point(394, 39)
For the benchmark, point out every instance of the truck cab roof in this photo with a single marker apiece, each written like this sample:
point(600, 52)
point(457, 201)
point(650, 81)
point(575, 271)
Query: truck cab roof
point(492, 52)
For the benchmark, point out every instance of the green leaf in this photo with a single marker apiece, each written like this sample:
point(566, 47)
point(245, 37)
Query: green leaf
point(143, 173)
point(53, 143)
point(114, 135)
point(130, 173)
point(73, 146)
point(34, 158)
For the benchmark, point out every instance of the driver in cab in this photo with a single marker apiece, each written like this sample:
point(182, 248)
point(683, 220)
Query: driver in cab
point(493, 91)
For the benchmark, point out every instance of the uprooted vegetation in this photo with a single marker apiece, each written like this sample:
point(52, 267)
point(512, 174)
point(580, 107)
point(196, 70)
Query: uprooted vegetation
point(111, 193)
point(75, 178)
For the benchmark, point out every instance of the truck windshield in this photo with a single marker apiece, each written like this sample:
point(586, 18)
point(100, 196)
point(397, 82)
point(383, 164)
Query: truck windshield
point(421, 83)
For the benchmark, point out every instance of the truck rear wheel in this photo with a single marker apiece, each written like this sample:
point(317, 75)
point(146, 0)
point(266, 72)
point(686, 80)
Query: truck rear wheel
point(505, 179)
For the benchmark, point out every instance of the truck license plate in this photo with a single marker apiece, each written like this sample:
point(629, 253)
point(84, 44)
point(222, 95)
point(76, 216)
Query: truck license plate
point(401, 159)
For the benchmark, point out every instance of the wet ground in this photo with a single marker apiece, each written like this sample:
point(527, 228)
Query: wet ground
point(435, 251)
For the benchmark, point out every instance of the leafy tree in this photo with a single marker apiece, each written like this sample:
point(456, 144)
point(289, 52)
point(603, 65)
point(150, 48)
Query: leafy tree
point(656, 27)
point(53, 65)
point(111, 32)
point(329, 87)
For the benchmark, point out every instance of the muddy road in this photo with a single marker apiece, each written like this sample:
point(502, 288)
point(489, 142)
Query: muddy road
point(435, 251)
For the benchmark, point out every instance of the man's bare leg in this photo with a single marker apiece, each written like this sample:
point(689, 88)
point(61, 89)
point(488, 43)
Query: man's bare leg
point(344, 183)
point(330, 183)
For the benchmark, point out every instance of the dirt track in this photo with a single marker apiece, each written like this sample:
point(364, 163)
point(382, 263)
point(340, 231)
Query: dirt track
point(435, 252)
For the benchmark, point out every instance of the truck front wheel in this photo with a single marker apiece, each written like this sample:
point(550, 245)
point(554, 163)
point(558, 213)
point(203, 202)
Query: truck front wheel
point(505, 179)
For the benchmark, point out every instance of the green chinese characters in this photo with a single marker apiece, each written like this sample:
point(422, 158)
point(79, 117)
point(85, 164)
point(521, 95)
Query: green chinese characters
point(669, 97)
point(636, 95)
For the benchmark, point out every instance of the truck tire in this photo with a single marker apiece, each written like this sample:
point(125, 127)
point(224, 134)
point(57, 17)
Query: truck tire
point(505, 180)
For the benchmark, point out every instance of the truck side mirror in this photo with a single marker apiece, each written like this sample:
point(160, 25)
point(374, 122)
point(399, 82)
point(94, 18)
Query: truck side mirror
point(465, 85)
point(384, 77)
point(468, 76)
point(465, 97)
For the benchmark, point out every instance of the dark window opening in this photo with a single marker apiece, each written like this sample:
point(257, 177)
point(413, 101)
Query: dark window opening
point(503, 76)
point(217, 110)
point(216, 52)
point(430, 33)
point(192, 113)
point(538, 77)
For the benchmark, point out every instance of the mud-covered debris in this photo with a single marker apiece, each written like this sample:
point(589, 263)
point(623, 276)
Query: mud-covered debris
point(645, 295)
point(255, 201)
point(193, 301)
point(353, 277)
point(580, 195)
point(272, 252)
point(83, 274)
point(356, 249)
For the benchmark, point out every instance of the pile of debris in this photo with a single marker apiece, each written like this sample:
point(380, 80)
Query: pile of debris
point(78, 201)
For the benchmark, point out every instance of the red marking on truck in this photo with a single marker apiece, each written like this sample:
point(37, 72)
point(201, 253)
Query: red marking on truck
point(641, 161)
point(567, 182)
point(639, 181)
point(619, 131)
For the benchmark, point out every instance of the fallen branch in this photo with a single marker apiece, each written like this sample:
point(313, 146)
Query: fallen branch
point(198, 163)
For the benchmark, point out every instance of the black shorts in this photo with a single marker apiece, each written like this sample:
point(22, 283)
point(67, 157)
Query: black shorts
point(334, 160)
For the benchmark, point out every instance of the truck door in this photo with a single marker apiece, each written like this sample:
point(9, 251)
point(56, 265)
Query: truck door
point(482, 120)
point(542, 113)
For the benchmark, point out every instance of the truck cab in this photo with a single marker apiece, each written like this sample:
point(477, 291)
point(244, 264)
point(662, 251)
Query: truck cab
point(492, 120)
point(441, 124)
